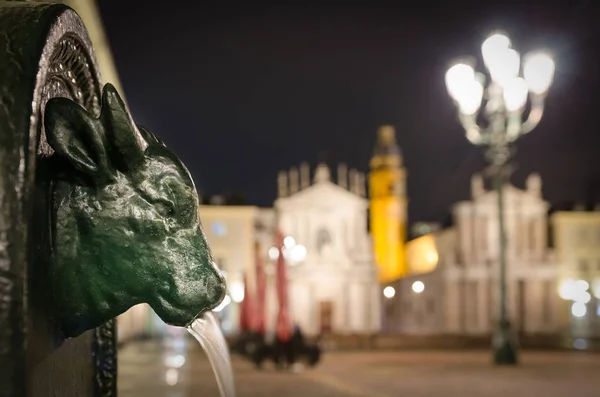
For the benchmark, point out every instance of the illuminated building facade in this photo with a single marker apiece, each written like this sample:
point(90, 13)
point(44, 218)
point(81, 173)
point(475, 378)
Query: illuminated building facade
point(388, 206)
point(452, 284)
point(230, 231)
point(577, 248)
point(333, 281)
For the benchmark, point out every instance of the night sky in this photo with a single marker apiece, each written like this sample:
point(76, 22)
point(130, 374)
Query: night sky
point(240, 93)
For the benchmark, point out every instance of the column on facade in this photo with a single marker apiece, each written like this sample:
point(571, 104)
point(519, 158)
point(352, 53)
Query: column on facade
point(465, 237)
point(521, 236)
point(472, 233)
point(359, 232)
point(301, 301)
point(472, 306)
point(510, 225)
point(375, 308)
point(482, 307)
point(357, 307)
point(492, 305)
point(513, 301)
point(541, 231)
point(452, 306)
point(272, 304)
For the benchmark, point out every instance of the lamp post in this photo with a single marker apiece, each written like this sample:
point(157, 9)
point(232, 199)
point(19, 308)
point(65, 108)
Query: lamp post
point(494, 126)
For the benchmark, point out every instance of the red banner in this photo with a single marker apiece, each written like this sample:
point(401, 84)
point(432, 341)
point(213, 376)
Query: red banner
point(261, 293)
point(246, 309)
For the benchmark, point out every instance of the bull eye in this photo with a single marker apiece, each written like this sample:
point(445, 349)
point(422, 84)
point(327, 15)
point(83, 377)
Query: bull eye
point(165, 208)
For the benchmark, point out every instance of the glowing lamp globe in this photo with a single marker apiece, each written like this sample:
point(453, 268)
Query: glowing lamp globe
point(538, 71)
point(457, 77)
point(470, 99)
point(493, 47)
point(389, 292)
point(515, 94)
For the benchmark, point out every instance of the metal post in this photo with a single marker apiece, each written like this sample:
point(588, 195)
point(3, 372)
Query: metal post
point(504, 347)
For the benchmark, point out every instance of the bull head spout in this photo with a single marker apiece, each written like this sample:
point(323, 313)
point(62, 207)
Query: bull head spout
point(126, 225)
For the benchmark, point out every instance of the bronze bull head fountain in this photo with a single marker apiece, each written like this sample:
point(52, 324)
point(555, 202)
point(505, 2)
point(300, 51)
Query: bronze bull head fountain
point(127, 225)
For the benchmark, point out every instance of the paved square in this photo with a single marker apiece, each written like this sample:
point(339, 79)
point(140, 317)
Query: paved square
point(142, 372)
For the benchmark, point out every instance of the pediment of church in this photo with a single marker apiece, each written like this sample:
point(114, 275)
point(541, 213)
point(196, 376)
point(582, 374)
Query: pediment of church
point(322, 194)
point(513, 196)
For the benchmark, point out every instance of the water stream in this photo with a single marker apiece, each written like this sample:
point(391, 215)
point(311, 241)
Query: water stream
point(207, 331)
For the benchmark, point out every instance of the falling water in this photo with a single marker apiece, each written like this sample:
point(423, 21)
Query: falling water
point(207, 331)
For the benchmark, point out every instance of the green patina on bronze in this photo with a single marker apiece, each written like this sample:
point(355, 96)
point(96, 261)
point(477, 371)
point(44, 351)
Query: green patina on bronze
point(125, 221)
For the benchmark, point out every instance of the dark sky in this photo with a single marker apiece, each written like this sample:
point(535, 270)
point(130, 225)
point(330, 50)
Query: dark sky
point(239, 93)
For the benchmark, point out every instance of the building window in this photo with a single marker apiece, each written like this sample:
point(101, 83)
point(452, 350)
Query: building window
point(219, 229)
point(323, 240)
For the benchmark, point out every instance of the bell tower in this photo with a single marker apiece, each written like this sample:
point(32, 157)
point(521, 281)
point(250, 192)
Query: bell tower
point(388, 206)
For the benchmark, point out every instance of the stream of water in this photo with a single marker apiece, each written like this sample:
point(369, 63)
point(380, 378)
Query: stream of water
point(207, 331)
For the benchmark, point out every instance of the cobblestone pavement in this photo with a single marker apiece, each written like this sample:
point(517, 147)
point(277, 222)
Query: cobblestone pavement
point(148, 370)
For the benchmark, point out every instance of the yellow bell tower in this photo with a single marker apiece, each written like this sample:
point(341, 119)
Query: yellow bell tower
point(388, 206)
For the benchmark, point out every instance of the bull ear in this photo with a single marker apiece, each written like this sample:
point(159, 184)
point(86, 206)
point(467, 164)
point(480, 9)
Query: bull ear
point(121, 130)
point(149, 137)
point(76, 135)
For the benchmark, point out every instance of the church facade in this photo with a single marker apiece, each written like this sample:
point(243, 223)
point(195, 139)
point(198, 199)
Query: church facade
point(334, 288)
point(458, 292)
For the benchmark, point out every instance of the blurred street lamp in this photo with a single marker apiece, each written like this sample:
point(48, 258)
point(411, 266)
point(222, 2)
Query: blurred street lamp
point(505, 100)
point(418, 287)
point(293, 252)
point(389, 292)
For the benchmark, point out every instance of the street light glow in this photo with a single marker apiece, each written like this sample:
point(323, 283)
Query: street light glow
point(515, 94)
point(470, 99)
point(273, 253)
point(493, 47)
point(289, 242)
point(582, 285)
point(505, 67)
point(418, 287)
point(457, 77)
point(578, 309)
point(596, 288)
point(389, 292)
point(236, 289)
point(566, 289)
point(297, 253)
point(538, 72)
point(575, 290)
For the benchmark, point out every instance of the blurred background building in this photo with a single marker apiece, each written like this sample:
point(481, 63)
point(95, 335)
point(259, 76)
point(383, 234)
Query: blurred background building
point(334, 286)
point(577, 249)
point(451, 287)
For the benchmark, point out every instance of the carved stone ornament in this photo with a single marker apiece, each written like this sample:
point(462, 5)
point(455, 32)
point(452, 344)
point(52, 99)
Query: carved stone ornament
point(96, 214)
